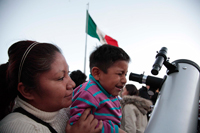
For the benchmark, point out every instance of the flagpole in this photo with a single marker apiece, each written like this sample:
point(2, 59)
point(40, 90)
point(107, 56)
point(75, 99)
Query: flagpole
point(86, 37)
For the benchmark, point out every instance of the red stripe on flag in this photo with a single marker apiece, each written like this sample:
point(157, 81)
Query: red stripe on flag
point(111, 41)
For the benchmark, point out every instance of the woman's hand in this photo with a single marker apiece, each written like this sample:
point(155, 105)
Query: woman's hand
point(121, 131)
point(86, 124)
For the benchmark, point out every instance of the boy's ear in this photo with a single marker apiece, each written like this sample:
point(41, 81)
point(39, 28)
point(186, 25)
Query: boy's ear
point(96, 73)
point(26, 93)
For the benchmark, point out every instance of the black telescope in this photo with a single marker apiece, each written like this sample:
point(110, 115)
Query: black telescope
point(154, 82)
point(161, 57)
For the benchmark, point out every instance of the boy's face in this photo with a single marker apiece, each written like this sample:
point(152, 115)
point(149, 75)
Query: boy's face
point(114, 80)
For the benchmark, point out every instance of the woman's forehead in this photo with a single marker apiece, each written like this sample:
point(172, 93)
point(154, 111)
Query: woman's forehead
point(59, 65)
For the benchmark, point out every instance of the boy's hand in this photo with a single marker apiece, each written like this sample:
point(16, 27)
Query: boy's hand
point(85, 124)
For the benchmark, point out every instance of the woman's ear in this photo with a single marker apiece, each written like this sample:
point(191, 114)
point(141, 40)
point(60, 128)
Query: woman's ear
point(96, 73)
point(26, 93)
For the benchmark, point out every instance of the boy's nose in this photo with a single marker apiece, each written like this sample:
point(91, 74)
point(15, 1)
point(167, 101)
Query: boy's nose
point(124, 80)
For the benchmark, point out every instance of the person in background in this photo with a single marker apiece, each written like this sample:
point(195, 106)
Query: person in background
point(78, 77)
point(143, 92)
point(134, 110)
point(36, 92)
point(120, 95)
point(155, 96)
point(108, 68)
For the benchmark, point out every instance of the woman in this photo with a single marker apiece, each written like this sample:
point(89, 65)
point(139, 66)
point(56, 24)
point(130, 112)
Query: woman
point(36, 85)
point(134, 110)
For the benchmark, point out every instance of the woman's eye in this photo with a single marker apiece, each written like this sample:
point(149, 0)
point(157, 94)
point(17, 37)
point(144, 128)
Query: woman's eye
point(69, 72)
point(61, 78)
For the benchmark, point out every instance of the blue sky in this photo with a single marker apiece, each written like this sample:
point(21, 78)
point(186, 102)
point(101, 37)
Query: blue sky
point(141, 28)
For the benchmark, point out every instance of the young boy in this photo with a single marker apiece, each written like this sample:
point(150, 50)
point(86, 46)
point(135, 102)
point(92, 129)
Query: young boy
point(108, 68)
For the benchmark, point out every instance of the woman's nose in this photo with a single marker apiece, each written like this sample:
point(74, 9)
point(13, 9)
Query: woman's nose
point(71, 84)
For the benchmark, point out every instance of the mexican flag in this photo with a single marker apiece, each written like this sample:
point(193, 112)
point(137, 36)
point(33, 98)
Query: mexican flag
point(94, 31)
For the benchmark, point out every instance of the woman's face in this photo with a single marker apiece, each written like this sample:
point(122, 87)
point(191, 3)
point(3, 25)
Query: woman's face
point(124, 92)
point(55, 87)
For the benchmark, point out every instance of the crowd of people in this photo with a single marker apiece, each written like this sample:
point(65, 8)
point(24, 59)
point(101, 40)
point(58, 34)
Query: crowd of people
point(39, 94)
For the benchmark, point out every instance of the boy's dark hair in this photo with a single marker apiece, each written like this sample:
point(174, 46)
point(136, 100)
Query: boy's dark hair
point(78, 77)
point(106, 55)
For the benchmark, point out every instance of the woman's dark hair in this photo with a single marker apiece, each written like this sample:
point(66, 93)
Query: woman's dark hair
point(106, 55)
point(132, 90)
point(38, 60)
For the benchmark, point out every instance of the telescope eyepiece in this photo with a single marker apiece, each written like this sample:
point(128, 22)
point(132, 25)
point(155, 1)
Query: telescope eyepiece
point(148, 80)
point(155, 70)
point(161, 57)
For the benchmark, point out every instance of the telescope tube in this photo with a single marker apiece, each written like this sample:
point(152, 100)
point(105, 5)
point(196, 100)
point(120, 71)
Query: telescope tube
point(176, 110)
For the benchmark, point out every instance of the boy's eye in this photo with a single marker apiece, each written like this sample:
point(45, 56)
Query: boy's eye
point(120, 74)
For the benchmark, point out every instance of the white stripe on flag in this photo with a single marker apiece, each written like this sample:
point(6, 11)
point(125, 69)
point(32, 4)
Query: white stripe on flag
point(101, 36)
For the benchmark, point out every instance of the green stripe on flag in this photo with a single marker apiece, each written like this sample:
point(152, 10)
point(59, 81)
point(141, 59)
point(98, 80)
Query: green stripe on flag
point(91, 27)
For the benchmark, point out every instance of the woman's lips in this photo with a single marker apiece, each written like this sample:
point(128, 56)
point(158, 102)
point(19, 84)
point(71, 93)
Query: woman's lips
point(69, 96)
